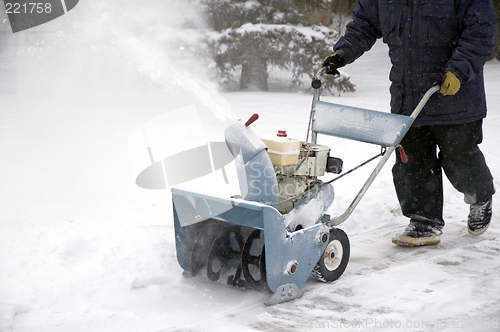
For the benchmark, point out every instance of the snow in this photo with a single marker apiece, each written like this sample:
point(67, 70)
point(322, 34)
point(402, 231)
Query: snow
point(310, 33)
point(82, 248)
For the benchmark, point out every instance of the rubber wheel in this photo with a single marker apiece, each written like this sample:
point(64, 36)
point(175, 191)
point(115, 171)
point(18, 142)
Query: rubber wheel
point(333, 262)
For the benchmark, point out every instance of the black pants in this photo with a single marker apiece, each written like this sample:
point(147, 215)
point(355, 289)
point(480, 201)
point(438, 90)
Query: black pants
point(418, 182)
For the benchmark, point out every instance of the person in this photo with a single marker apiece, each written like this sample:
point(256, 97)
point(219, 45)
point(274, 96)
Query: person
point(431, 42)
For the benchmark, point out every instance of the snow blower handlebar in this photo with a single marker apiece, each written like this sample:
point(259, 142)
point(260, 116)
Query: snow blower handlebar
point(316, 85)
point(345, 121)
point(343, 217)
point(424, 100)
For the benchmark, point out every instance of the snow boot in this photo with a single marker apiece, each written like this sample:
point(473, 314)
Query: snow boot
point(418, 234)
point(479, 217)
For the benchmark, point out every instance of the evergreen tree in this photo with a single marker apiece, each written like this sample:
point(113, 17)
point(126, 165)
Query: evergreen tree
point(252, 35)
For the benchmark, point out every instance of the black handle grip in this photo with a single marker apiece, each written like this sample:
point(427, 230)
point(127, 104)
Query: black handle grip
point(316, 83)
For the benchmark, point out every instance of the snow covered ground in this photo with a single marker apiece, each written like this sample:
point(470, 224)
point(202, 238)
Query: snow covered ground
point(82, 248)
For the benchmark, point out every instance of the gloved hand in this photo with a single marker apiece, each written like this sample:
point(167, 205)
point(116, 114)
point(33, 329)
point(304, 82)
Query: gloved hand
point(333, 62)
point(450, 85)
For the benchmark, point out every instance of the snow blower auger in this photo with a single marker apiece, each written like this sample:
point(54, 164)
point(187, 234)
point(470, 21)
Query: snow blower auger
point(276, 234)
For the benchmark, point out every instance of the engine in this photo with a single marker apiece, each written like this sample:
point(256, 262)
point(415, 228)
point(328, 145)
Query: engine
point(297, 166)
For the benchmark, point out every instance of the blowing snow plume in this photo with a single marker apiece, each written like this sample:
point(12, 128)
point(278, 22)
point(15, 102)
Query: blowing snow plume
point(76, 87)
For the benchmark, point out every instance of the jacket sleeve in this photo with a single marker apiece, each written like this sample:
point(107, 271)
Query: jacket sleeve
point(361, 33)
point(477, 39)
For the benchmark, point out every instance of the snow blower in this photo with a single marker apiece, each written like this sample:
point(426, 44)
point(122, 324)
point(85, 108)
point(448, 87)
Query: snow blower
point(276, 234)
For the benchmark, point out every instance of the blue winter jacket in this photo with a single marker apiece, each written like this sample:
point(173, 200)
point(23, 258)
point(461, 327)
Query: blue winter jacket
point(426, 38)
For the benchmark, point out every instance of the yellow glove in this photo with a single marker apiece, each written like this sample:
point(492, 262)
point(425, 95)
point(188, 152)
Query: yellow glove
point(450, 85)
